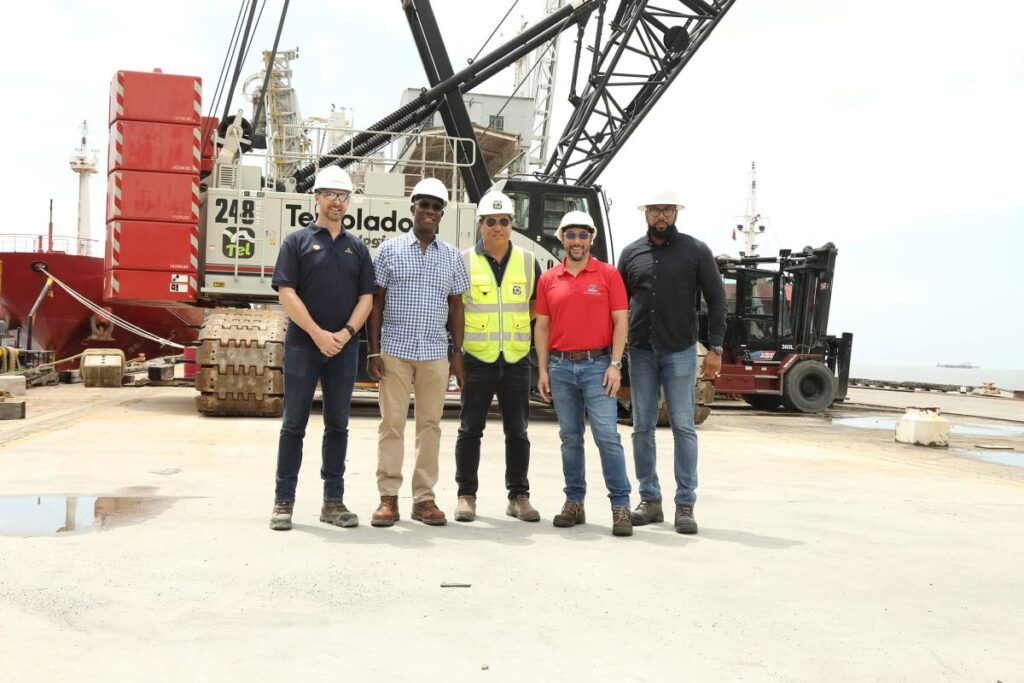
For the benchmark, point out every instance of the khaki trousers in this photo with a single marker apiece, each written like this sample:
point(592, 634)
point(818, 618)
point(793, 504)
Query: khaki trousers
point(428, 379)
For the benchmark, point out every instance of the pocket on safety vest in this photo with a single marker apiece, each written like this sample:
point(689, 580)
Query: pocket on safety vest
point(475, 336)
point(517, 289)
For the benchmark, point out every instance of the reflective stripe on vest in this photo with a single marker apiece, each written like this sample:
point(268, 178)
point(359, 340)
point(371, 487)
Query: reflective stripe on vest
point(498, 318)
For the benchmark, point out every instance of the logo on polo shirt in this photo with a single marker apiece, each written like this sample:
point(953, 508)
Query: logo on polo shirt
point(348, 250)
point(592, 289)
point(316, 247)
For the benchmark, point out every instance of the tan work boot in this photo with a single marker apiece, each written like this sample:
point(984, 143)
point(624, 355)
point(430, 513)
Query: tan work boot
point(386, 513)
point(622, 522)
point(465, 511)
point(334, 512)
point(282, 517)
point(520, 508)
point(648, 511)
point(572, 513)
point(685, 523)
point(426, 511)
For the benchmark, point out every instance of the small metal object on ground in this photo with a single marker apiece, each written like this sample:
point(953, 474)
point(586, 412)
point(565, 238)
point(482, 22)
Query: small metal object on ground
point(993, 447)
point(456, 585)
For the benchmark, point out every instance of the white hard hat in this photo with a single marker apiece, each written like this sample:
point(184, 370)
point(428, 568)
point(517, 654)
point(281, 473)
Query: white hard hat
point(576, 219)
point(430, 187)
point(662, 198)
point(494, 203)
point(332, 178)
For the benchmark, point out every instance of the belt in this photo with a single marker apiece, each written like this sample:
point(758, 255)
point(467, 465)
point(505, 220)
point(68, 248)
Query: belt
point(581, 355)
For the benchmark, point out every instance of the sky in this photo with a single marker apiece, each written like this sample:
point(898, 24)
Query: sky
point(891, 130)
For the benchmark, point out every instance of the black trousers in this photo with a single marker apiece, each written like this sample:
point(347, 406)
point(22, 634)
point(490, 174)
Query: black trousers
point(511, 383)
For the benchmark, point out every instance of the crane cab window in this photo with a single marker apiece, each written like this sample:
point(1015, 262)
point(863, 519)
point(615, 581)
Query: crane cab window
point(557, 205)
point(521, 219)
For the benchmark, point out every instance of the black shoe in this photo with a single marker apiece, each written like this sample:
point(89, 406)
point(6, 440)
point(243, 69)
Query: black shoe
point(648, 511)
point(685, 523)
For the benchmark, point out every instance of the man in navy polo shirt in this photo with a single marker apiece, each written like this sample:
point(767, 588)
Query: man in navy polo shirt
point(324, 278)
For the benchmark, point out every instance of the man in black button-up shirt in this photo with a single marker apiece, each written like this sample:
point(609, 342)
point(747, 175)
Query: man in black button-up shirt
point(666, 273)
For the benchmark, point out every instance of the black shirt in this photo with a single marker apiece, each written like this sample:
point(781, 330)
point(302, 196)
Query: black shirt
point(664, 284)
point(328, 274)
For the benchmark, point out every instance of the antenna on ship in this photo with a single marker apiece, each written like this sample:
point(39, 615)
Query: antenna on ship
point(83, 162)
point(751, 228)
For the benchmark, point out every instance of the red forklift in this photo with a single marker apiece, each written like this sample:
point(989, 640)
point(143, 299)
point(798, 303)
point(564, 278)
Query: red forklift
point(777, 348)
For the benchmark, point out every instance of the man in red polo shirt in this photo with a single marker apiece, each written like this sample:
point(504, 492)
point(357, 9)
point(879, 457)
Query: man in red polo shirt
point(580, 337)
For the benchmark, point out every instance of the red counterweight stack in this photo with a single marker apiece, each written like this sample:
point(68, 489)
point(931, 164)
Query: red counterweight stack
point(154, 159)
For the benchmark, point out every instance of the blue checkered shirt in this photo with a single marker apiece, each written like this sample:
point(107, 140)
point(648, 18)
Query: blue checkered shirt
point(418, 285)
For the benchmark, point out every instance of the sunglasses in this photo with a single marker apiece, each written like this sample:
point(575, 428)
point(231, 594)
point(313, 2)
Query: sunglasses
point(430, 206)
point(582, 235)
point(503, 222)
point(331, 196)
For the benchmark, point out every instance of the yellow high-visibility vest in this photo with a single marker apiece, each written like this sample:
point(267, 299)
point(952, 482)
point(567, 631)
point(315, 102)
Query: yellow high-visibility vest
point(498, 318)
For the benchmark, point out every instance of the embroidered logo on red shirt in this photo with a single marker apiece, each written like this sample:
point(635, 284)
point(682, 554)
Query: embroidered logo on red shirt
point(592, 289)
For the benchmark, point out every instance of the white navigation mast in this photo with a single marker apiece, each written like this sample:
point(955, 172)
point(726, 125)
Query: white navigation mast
point(750, 228)
point(541, 87)
point(83, 162)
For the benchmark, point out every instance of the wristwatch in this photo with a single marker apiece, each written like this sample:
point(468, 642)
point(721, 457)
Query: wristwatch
point(351, 330)
point(617, 364)
point(716, 349)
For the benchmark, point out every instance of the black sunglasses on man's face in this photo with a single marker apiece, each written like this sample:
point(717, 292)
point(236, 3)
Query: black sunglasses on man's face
point(430, 206)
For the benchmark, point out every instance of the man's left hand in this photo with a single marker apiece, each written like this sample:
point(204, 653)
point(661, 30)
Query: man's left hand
point(712, 365)
point(455, 367)
point(612, 380)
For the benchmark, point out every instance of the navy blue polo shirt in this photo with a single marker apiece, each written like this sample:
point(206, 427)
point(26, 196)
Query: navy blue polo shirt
point(328, 274)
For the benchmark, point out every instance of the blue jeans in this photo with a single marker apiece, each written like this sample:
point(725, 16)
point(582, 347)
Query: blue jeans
point(649, 371)
point(303, 367)
point(576, 386)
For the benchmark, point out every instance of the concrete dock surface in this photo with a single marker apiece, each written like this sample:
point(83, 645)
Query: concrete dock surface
point(825, 552)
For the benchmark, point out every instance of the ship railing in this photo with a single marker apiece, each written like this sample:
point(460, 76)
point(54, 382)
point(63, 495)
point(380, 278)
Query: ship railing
point(46, 244)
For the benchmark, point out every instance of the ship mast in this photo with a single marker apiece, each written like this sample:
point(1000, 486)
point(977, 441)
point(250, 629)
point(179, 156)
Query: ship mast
point(83, 162)
point(750, 227)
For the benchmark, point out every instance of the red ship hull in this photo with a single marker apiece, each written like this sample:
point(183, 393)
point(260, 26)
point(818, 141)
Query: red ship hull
point(66, 327)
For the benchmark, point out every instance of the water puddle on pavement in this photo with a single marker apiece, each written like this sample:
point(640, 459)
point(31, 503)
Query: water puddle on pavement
point(960, 430)
point(1011, 458)
point(60, 515)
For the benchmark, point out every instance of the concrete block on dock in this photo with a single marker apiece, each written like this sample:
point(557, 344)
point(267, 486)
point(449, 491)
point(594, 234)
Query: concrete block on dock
point(12, 409)
point(13, 384)
point(102, 367)
point(923, 427)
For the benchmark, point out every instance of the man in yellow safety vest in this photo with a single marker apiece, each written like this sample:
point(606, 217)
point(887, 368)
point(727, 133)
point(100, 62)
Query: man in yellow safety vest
point(498, 310)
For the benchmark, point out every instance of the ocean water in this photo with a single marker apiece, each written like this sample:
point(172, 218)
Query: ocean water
point(1009, 380)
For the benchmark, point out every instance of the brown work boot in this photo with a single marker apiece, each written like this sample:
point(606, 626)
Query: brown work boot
point(648, 511)
point(622, 522)
point(571, 514)
point(520, 508)
point(334, 512)
point(282, 518)
point(685, 523)
point(386, 513)
point(426, 511)
point(465, 511)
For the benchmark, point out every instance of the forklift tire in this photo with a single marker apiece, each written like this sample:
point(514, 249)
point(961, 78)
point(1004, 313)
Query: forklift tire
point(808, 387)
point(763, 401)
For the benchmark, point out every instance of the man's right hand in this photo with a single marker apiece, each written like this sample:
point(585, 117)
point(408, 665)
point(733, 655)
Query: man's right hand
point(327, 343)
point(544, 385)
point(375, 368)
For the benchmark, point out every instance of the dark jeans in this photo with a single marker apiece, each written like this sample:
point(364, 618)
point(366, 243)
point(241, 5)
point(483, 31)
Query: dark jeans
point(511, 382)
point(303, 367)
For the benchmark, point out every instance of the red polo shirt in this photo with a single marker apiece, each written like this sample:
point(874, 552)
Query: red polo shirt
point(580, 306)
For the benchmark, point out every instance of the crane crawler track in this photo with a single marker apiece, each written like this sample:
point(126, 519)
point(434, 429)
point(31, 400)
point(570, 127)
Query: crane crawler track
point(241, 359)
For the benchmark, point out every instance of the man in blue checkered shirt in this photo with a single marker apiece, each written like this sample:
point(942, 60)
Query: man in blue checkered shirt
point(420, 281)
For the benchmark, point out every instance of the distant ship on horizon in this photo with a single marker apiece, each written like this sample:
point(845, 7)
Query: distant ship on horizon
point(961, 366)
